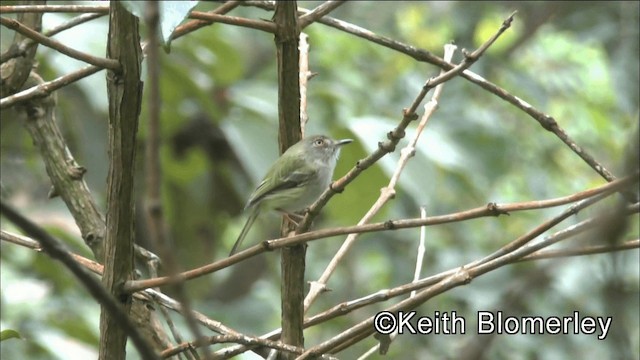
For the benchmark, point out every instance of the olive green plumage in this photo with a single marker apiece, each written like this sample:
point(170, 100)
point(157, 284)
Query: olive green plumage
point(295, 180)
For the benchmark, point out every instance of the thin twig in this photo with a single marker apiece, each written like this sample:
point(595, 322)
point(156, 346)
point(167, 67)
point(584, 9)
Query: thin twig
point(317, 13)
point(546, 121)
point(20, 49)
point(491, 209)
point(587, 250)
point(57, 251)
point(13, 9)
point(303, 75)
point(153, 174)
point(395, 135)
point(540, 229)
point(421, 248)
point(365, 328)
point(383, 295)
point(461, 276)
point(58, 46)
point(193, 25)
point(165, 301)
point(78, 20)
point(46, 88)
point(388, 192)
point(384, 341)
point(15, 75)
point(238, 339)
point(234, 20)
point(27, 242)
point(349, 306)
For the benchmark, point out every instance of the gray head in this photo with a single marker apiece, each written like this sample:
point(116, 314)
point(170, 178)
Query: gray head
point(323, 148)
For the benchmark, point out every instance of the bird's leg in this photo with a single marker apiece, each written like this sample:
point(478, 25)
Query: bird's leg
point(292, 217)
point(295, 218)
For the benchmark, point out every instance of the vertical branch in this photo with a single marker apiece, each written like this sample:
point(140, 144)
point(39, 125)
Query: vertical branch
point(154, 212)
point(125, 94)
point(287, 52)
point(304, 76)
point(152, 151)
point(293, 258)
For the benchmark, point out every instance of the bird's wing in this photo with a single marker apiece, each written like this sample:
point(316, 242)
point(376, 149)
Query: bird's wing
point(293, 174)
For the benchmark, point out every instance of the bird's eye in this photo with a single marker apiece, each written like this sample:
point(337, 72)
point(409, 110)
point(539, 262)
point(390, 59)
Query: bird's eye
point(319, 142)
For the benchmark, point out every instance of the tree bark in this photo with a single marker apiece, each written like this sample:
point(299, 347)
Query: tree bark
point(293, 258)
point(125, 95)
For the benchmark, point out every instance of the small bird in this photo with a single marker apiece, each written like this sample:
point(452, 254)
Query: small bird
point(295, 180)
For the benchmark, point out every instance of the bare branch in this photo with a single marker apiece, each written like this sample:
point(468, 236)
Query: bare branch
point(491, 209)
point(238, 339)
point(538, 230)
point(16, 72)
point(317, 13)
point(476, 54)
point(48, 87)
point(452, 278)
point(21, 49)
point(303, 78)
point(234, 20)
point(44, 89)
point(587, 250)
point(78, 20)
point(58, 46)
point(147, 295)
point(383, 295)
point(54, 9)
point(546, 121)
point(27, 242)
point(365, 328)
point(58, 251)
point(394, 136)
point(193, 25)
point(386, 194)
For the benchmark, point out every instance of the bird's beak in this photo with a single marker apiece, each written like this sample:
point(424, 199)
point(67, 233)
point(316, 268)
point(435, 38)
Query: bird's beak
point(343, 142)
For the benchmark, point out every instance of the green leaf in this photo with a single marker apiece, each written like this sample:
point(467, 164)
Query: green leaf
point(8, 334)
point(172, 13)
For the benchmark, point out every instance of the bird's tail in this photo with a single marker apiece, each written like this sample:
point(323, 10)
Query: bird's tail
point(245, 229)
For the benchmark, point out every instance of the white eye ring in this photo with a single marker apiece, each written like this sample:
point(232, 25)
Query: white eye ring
point(318, 142)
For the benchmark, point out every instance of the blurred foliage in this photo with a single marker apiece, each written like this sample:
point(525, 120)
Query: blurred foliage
point(575, 61)
point(9, 334)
